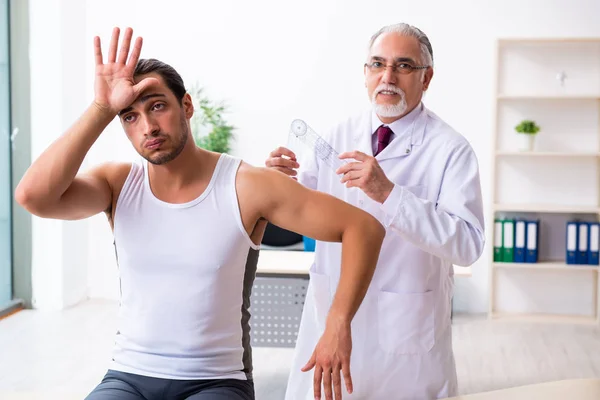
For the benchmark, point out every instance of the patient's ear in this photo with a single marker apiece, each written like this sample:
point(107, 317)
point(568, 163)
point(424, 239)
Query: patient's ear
point(188, 105)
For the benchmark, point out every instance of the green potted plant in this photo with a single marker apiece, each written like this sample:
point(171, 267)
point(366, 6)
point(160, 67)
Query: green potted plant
point(209, 128)
point(527, 130)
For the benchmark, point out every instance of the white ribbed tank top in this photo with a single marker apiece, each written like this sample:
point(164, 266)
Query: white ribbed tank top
point(186, 273)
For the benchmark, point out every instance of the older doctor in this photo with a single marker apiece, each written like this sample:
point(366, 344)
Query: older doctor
point(420, 178)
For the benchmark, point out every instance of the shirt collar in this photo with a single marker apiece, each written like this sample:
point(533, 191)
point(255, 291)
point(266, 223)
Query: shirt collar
point(401, 126)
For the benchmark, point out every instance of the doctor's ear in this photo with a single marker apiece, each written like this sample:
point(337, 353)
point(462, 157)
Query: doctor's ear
point(427, 76)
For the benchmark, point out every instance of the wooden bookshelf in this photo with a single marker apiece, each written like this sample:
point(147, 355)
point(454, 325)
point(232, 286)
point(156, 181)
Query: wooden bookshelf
point(558, 178)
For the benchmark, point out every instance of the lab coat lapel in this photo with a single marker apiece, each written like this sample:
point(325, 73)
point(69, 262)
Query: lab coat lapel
point(362, 139)
point(403, 146)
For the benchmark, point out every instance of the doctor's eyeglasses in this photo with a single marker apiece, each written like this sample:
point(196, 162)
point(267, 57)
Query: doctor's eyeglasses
point(399, 68)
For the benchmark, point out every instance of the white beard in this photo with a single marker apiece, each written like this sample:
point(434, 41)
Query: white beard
point(389, 110)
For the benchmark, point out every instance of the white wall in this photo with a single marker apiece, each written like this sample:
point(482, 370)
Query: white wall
point(274, 61)
point(57, 69)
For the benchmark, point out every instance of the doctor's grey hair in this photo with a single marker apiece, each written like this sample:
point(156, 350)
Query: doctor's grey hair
point(408, 30)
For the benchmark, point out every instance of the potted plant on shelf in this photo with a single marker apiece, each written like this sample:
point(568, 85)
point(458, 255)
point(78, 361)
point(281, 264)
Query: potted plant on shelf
point(527, 130)
point(209, 128)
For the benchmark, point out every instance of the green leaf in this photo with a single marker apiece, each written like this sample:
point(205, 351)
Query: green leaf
point(209, 128)
point(527, 127)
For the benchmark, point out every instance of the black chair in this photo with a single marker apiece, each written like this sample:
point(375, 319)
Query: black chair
point(279, 237)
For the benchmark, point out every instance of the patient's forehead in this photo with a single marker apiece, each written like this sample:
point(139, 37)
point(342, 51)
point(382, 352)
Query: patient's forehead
point(139, 78)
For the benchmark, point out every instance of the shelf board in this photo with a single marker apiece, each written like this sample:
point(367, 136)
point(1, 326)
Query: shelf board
point(506, 153)
point(549, 40)
point(546, 318)
point(547, 208)
point(546, 265)
point(548, 97)
point(465, 272)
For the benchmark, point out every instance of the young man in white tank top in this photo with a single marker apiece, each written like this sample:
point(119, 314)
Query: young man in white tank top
point(187, 225)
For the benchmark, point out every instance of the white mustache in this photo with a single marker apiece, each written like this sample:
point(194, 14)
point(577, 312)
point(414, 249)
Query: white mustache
point(390, 88)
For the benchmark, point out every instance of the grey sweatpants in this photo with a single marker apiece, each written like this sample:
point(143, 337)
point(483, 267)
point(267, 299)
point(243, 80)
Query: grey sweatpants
point(118, 385)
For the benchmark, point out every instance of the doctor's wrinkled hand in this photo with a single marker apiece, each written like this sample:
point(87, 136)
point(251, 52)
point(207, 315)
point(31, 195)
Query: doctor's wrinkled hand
point(366, 174)
point(283, 160)
point(331, 360)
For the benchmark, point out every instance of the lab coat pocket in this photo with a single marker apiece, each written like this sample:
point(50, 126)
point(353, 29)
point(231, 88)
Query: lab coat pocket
point(319, 285)
point(406, 322)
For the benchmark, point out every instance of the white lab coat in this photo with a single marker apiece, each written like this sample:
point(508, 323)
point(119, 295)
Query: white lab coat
point(402, 343)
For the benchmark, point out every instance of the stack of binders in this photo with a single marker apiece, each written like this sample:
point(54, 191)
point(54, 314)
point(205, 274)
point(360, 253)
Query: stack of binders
point(582, 243)
point(516, 240)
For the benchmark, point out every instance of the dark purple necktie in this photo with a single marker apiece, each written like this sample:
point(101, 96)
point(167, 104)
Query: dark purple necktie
point(384, 135)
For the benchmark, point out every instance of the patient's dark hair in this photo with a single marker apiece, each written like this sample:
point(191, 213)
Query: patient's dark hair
point(168, 74)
